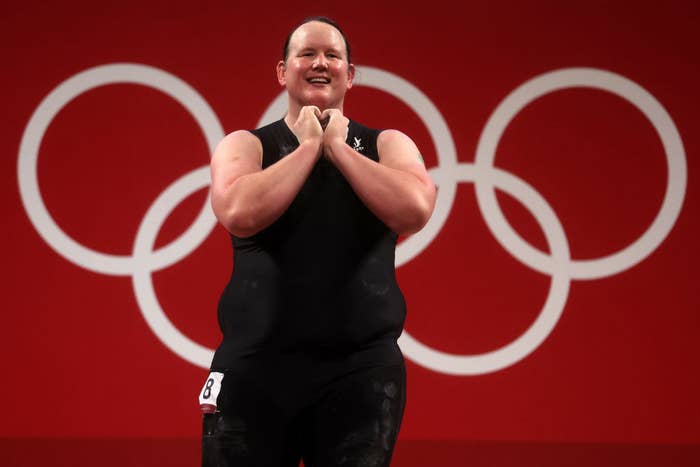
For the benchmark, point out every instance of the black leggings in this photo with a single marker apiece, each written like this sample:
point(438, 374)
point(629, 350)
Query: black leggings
point(354, 422)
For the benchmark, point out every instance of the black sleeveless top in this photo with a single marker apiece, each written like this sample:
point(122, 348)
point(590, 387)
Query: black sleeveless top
point(320, 280)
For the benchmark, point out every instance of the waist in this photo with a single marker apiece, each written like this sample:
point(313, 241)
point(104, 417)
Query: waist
point(382, 351)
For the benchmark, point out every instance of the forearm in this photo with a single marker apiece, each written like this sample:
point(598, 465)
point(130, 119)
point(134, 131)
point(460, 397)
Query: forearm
point(255, 200)
point(400, 199)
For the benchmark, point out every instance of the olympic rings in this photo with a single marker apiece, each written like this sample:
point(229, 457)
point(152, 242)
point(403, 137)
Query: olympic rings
point(447, 175)
point(143, 260)
point(631, 92)
point(29, 154)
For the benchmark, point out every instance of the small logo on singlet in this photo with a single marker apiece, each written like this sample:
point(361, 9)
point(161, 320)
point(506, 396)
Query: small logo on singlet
point(357, 146)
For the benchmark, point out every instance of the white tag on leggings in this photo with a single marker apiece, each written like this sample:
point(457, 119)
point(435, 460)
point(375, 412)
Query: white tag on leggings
point(210, 392)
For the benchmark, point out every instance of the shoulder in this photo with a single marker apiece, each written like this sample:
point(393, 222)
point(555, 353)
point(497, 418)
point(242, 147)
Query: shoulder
point(239, 137)
point(250, 138)
point(276, 129)
point(238, 143)
point(385, 134)
point(394, 141)
point(391, 136)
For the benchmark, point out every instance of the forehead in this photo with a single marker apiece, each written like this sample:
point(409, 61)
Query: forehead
point(316, 34)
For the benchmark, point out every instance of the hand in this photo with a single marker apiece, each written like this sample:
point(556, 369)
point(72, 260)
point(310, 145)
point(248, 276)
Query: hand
point(336, 128)
point(307, 126)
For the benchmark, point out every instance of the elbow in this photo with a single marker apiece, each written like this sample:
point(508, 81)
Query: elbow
point(412, 224)
point(238, 221)
point(237, 214)
point(416, 216)
point(241, 224)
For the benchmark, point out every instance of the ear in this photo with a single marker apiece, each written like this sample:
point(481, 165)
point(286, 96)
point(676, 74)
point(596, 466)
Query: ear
point(351, 75)
point(282, 73)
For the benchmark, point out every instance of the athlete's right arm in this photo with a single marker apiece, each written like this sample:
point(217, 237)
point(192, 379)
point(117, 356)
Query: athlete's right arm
point(246, 198)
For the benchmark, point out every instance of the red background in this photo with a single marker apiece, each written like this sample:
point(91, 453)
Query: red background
point(616, 382)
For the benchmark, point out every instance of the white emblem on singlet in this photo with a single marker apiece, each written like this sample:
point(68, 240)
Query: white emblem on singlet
point(357, 146)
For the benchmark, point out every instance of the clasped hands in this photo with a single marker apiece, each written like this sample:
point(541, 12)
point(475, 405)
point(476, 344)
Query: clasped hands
point(321, 129)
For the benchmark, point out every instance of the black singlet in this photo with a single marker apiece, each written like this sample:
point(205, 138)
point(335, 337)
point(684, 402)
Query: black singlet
point(319, 281)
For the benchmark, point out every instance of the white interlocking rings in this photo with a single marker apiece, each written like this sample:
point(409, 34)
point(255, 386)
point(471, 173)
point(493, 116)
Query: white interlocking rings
point(144, 260)
point(633, 93)
point(29, 154)
point(559, 265)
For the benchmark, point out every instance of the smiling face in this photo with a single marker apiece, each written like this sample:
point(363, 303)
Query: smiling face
point(316, 70)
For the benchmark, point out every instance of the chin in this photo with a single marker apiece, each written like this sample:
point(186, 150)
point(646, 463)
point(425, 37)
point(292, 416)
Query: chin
point(320, 103)
point(320, 98)
point(323, 102)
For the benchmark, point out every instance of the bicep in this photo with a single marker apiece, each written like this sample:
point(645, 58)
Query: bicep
point(238, 154)
point(398, 151)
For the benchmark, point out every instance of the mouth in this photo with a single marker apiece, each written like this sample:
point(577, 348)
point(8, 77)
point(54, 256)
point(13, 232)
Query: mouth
point(318, 80)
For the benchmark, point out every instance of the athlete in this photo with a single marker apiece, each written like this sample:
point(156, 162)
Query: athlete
point(309, 368)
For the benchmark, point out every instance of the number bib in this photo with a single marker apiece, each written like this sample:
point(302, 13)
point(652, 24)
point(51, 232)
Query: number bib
point(210, 392)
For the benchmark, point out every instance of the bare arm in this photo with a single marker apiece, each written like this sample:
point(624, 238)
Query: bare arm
point(397, 189)
point(246, 198)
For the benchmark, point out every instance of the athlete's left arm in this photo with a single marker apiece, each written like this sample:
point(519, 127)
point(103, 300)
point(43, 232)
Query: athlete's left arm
point(397, 189)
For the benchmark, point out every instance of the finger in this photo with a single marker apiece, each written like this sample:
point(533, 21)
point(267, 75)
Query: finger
point(330, 112)
point(332, 115)
point(323, 120)
point(325, 117)
point(307, 111)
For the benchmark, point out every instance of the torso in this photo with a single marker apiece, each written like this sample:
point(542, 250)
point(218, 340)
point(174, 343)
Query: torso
point(320, 280)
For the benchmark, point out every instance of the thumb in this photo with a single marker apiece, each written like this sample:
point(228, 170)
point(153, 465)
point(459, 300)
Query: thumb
point(331, 113)
point(324, 117)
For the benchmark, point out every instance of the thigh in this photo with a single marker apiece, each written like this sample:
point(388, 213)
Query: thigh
point(228, 441)
point(357, 422)
point(248, 430)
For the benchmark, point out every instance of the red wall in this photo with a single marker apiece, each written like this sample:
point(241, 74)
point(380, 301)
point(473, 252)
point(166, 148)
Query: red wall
point(569, 320)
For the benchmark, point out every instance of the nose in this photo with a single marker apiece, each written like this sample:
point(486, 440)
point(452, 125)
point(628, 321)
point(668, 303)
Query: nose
point(320, 62)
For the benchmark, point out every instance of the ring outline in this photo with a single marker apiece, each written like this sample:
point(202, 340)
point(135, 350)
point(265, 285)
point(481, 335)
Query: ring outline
point(484, 186)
